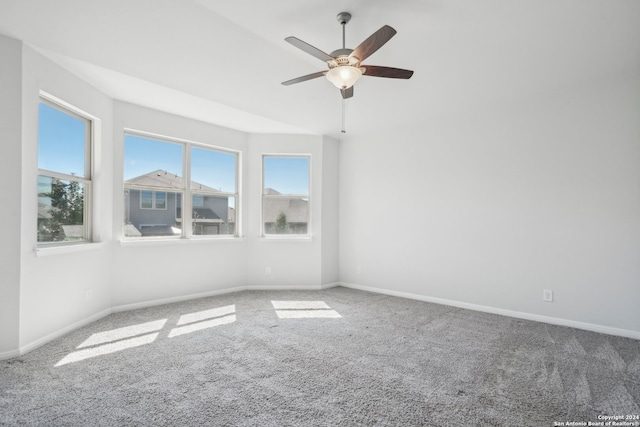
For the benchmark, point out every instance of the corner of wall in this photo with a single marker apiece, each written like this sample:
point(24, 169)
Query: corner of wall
point(10, 172)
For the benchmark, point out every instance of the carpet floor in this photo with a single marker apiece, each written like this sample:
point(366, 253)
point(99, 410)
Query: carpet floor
point(337, 357)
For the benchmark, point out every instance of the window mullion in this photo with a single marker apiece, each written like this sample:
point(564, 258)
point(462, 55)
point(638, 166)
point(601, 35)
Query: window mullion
point(88, 133)
point(87, 217)
point(187, 199)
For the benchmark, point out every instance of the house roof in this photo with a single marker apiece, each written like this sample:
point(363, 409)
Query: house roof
point(44, 210)
point(201, 215)
point(73, 231)
point(159, 230)
point(164, 179)
point(130, 230)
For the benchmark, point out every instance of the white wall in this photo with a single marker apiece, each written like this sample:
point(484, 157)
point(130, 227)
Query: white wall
point(330, 207)
point(293, 263)
point(145, 271)
point(53, 288)
point(491, 207)
point(10, 169)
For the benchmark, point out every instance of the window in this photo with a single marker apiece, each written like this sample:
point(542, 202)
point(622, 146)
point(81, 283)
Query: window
point(213, 191)
point(285, 195)
point(153, 199)
point(64, 173)
point(198, 201)
point(155, 190)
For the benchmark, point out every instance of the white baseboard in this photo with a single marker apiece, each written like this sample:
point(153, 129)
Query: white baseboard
point(292, 288)
point(9, 354)
point(503, 312)
point(60, 332)
point(329, 285)
point(162, 301)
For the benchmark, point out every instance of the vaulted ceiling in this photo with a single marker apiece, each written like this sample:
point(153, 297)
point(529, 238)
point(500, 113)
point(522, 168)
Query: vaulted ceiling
point(223, 62)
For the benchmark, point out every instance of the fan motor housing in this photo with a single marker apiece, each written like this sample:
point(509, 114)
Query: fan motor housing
point(341, 57)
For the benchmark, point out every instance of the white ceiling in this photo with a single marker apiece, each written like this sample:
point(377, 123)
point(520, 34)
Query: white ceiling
point(223, 61)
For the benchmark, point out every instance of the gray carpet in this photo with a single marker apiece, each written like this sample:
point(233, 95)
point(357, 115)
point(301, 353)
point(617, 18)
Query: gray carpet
point(326, 358)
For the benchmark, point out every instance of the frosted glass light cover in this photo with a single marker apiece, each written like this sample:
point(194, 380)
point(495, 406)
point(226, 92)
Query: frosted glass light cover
point(343, 77)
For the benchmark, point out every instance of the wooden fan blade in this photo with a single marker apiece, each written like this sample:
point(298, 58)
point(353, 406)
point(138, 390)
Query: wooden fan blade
point(347, 93)
point(304, 78)
point(389, 72)
point(373, 43)
point(313, 51)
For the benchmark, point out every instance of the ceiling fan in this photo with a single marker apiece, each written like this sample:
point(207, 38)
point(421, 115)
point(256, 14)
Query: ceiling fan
point(345, 65)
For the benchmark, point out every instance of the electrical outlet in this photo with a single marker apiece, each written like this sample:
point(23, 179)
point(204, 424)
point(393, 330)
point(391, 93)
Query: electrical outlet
point(87, 294)
point(358, 270)
point(267, 271)
point(547, 295)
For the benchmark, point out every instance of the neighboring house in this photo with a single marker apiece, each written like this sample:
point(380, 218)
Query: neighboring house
point(152, 210)
point(294, 209)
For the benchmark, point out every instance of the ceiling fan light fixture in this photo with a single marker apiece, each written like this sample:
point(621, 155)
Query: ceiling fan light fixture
point(344, 76)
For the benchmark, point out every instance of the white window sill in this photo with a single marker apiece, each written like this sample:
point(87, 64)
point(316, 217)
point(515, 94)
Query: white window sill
point(69, 248)
point(151, 241)
point(287, 239)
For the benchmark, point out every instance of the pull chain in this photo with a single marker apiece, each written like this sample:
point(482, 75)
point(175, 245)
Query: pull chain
point(344, 115)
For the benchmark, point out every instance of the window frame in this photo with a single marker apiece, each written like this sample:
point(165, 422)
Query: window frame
point(186, 224)
point(86, 179)
point(308, 197)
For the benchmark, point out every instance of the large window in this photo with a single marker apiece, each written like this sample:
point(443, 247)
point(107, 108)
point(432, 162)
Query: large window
point(155, 192)
point(64, 174)
point(285, 195)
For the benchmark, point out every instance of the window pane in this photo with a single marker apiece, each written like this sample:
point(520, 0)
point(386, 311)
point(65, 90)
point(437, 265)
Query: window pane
point(154, 221)
point(285, 215)
point(152, 163)
point(213, 170)
point(215, 216)
point(146, 199)
point(286, 175)
point(60, 210)
point(161, 200)
point(61, 141)
point(285, 204)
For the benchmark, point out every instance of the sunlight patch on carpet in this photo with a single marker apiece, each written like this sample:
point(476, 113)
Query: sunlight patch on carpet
point(122, 333)
point(181, 330)
point(204, 320)
point(304, 310)
point(113, 347)
point(199, 316)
